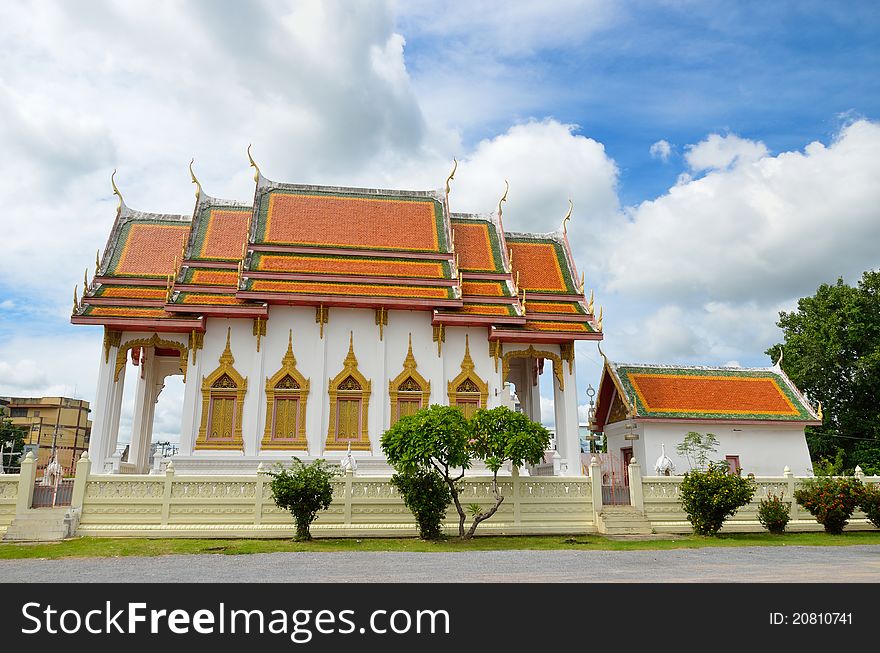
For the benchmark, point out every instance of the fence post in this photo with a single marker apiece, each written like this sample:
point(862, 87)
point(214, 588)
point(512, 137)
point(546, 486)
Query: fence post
point(636, 495)
point(596, 487)
point(258, 497)
point(859, 474)
point(83, 469)
point(514, 473)
point(349, 478)
point(26, 478)
point(793, 512)
point(166, 495)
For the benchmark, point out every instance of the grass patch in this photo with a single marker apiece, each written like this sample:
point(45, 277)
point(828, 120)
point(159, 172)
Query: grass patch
point(87, 547)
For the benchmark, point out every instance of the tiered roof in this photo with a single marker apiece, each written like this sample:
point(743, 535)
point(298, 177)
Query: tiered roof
point(700, 393)
point(335, 246)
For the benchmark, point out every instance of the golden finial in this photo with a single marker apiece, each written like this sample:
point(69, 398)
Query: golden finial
point(453, 239)
point(456, 261)
point(116, 192)
point(583, 282)
point(253, 165)
point(517, 279)
point(451, 177)
point(779, 360)
point(194, 180)
point(75, 300)
point(290, 341)
point(819, 411)
point(590, 305)
point(524, 300)
point(85, 281)
point(503, 198)
point(459, 278)
point(567, 216)
point(226, 356)
point(97, 262)
point(510, 257)
point(599, 324)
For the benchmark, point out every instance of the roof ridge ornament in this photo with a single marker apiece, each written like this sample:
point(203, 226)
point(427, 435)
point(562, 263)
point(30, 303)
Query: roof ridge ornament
point(75, 300)
point(450, 178)
point(599, 323)
point(97, 262)
point(503, 199)
point(567, 217)
point(117, 193)
point(256, 168)
point(194, 180)
point(779, 360)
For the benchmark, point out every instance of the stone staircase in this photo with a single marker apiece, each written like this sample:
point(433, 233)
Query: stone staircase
point(623, 520)
point(43, 525)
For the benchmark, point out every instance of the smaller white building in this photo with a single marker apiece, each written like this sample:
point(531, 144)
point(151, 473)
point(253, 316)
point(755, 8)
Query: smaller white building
point(757, 415)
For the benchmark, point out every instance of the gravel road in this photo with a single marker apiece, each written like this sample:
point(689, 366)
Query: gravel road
point(745, 564)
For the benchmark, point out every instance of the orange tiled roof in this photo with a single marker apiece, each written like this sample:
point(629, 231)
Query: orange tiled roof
point(477, 243)
point(222, 234)
point(485, 289)
point(149, 249)
point(351, 289)
point(565, 308)
point(210, 277)
point(349, 265)
point(539, 266)
point(720, 393)
point(129, 292)
point(575, 327)
point(295, 216)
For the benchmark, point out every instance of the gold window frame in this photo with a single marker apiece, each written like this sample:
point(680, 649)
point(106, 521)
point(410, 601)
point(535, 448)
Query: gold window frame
point(408, 372)
point(226, 367)
point(467, 374)
point(288, 368)
point(349, 369)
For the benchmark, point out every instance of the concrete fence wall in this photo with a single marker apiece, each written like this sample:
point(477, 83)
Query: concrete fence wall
point(172, 505)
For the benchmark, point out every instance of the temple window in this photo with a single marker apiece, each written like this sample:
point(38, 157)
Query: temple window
point(349, 405)
point(287, 393)
point(467, 391)
point(409, 391)
point(223, 392)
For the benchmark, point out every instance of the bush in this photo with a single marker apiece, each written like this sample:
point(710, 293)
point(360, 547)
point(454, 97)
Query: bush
point(831, 500)
point(773, 513)
point(303, 490)
point(870, 503)
point(710, 497)
point(427, 496)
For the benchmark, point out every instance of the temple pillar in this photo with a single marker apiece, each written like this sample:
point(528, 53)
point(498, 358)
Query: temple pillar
point(109, 447)
point(192, 397)
point(103, 426)
point(567, 437)
point(144, 406)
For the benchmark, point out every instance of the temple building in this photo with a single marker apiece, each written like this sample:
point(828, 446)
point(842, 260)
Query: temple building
point(757, 415)
point(311, 320)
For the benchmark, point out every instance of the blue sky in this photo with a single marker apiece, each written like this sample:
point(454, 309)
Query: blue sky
point(723, 158)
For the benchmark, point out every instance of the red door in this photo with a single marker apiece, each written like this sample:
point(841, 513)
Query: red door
point(627, 455)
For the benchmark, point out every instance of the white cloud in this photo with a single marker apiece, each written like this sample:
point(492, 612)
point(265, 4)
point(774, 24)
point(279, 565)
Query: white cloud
point(719, 152)
point(661, 150)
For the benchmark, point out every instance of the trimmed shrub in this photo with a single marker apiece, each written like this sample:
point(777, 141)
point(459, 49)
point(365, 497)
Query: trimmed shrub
point(870, 504)
point(304, 490)
point(427, 496)
point(773, 513)
point(710, 497)
point(830, 500)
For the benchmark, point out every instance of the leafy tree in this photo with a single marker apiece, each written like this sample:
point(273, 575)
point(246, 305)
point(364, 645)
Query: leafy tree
point(710, 497)
point(832, 354)
point(427, 496)
point(11, 444)
point(696, 448)
point(831, 501)
point(432, 438)
point(304, 490)
point(442, 439)
point(502, 435)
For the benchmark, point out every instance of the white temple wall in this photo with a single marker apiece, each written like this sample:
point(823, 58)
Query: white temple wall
point(484, 365)
point(763, 449)
point(396, 343)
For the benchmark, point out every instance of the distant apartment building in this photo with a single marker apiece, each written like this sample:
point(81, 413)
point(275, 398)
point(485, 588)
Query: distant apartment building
point(58, 423)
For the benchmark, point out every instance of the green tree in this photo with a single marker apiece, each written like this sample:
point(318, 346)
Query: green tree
point(832, 354)
point(11, 444)
point(426, 495)
point(442, 439)
point(304, 490)
point(696, 447)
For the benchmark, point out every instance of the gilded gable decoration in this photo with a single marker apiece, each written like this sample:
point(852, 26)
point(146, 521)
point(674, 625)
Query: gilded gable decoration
point(259, 329)
point(349, 406)
point(495, 351)
point(409, 391)
point(153, 341)
point(112, 338)
point(196, 342)
point(467, 390)
point(223, 392)
point(566, 352)
point(322, 316)
point(531, 352)
point(439, 337)
point(381, 320)
point(287, 393)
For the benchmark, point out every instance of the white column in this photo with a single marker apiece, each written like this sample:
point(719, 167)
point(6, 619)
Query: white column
point(565, 408)
point(144, 403)
point(102, 409)
point(192, 403)
point(113, 423)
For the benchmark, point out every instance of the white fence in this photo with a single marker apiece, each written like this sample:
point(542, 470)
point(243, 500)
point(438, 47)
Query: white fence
point(171, 505)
